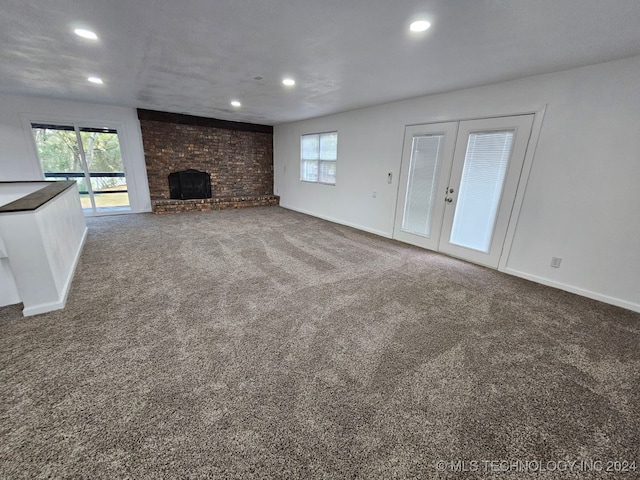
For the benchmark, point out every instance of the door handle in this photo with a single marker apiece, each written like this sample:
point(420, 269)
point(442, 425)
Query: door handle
point(448, 199)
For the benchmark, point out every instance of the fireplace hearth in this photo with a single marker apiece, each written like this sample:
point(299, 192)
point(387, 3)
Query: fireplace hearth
point(189, 184)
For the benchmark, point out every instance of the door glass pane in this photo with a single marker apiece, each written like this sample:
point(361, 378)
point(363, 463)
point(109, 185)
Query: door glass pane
point(60, 156)
point(424, 167)
point(108, 181)
point(484, 171)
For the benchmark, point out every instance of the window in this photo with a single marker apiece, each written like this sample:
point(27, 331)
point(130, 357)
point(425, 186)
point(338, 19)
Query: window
point(318, 155)
point(91, 157)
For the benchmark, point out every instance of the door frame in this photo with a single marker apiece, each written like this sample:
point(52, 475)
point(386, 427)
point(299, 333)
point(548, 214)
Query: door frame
point(521, 127)
point(536, 128)
point(133, 187)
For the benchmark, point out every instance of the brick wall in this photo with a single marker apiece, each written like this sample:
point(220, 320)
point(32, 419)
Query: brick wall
point(240, 162)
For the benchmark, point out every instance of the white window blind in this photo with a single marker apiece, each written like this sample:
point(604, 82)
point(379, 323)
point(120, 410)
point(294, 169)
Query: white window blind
point(483, 174)
point(423, 174)
point(318, 157)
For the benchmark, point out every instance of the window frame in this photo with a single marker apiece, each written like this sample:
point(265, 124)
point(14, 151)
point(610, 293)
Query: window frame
point(319, 160)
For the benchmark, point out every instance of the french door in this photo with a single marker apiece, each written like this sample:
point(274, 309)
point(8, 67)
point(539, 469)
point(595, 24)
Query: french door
point(458, 182)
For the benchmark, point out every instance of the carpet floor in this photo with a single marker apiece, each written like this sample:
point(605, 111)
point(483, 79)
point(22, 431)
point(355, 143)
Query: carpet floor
point(263, 343)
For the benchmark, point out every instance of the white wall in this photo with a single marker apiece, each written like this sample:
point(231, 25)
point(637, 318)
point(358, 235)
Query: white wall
point(582, 199)
point(18, 158)
point(10, 192)
point(43, 247)
point(8, 288)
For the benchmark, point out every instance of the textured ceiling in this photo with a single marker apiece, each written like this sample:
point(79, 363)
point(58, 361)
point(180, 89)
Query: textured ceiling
point(195, 56)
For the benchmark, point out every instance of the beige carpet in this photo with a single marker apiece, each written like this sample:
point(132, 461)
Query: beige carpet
point(263, 343)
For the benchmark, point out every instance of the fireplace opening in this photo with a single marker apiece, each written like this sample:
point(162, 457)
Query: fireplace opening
point(188, 184)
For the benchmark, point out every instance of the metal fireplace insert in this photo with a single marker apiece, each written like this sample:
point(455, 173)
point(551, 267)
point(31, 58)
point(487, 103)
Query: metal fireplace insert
point(189, 184)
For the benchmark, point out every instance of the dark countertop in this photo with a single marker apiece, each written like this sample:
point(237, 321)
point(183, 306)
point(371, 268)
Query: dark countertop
point(38, 198)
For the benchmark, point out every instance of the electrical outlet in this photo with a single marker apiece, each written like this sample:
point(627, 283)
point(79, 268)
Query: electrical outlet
point(555, 262)
point(375, 194)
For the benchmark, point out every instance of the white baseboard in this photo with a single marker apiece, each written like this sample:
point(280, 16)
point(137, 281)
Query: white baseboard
point(577, 290)
point(42, 308)
point(340, 222)
point(61, 302)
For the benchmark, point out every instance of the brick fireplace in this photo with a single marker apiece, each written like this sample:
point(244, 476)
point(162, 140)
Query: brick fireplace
point(238, 157)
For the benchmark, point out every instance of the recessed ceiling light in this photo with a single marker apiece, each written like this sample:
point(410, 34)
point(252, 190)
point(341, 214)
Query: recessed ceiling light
point(419, 26)
point(97, 80)
point(81, 32)
point(289, 82)
point(236, 103)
